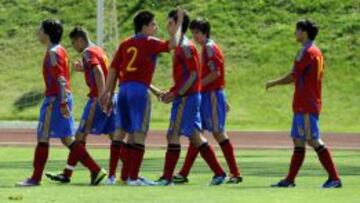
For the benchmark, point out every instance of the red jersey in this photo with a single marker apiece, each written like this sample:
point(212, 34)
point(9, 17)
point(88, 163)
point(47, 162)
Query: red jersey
point(135, 59)
point(94, 56)
point(212, 60)
point(307, 74)
point(185, 60)
point(55, 65)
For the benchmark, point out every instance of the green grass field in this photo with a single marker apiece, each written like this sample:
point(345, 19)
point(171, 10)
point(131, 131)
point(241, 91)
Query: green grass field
point(256, 37)
point(260, 168)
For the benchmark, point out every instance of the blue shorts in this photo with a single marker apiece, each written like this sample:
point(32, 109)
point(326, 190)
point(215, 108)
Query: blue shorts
point(52, 123)
point(95, 121)
point(134, 108)
point(305, 126)
point(185, 115)
point(213, 111)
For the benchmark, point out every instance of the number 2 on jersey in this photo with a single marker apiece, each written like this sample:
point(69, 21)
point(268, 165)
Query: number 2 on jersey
point(134, 52)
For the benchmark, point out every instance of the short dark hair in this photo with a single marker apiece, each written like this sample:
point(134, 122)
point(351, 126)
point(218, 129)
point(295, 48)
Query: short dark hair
point(142, 18)
point(201, 24)
point(308, 26)
point(54, 29)
point(79, 32)
point(186, 21)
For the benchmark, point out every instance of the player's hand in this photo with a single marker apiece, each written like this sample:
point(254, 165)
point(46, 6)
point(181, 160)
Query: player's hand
point(78, 66)
point(65, 110)
point(180, 16)
point(160, 95)
point(105, 101)
point(228, 107)
point(269, 84)
point(168, 97)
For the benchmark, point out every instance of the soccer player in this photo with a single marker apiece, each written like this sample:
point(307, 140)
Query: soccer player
point(307, 75)
point(134, 64)
point(213, 102)
point(56, 119)
point(185, 112)
point(94, 64)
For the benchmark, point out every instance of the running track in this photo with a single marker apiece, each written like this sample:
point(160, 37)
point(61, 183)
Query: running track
point(242, 140)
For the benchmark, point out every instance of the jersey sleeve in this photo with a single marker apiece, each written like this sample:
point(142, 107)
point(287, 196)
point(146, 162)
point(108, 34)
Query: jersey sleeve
point(157, 46)
point(90, 58)
point(117, 60)
point(57, 63)
point(300, 64)
point(214, 61)
point(189, 58)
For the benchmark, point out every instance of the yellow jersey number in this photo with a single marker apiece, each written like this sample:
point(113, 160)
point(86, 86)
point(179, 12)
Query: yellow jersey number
point(134, 52)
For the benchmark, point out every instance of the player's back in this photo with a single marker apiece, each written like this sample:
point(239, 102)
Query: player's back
point(93, 56)
point(308, 83)
point(136, 58)
point(56, 64)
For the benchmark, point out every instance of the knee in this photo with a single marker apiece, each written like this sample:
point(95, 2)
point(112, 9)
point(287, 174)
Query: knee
point(220, 137)
point(139, 138)
point(67, 141)
point(299, 143)
point(315, 143)
point(119, 135)
point(197, 140)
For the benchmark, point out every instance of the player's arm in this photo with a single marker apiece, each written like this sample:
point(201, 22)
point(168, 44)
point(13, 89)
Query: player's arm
point(188, 84)
point(170, 96)
point(300, 64)
point(211, 77)
point(105, 98)
point(285, 80)
point(56, 72)
point(175, 33)
point(156, 91)
point(191, 63)
point(212, 64)
point(99, 78)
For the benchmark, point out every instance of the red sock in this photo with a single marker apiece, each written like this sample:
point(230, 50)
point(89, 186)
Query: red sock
point(114, 156)
point(125, 154)
point(327, 162)
point(136, 157)
point(171, 158)
point(71, 162)
point(83, 156)
point(297, 160)
point(228, 151)
point(40, 158)
point(191, 155)
point(208, 154)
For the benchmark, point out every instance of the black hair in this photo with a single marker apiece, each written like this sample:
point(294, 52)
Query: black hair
point(54, 29)
point(201, 24)
point(79, 32)
point(186, 21)
point(308, 26)
point(142, 18)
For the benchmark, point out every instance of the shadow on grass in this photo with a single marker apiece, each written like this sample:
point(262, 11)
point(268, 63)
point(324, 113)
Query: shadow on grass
point(29, 99)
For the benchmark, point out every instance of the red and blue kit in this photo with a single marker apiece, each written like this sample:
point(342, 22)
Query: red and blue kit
point(307, 73)
point(185, 111)
point(213, 100)
point(135, 62)
point(93, 119)
point(52, 123)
